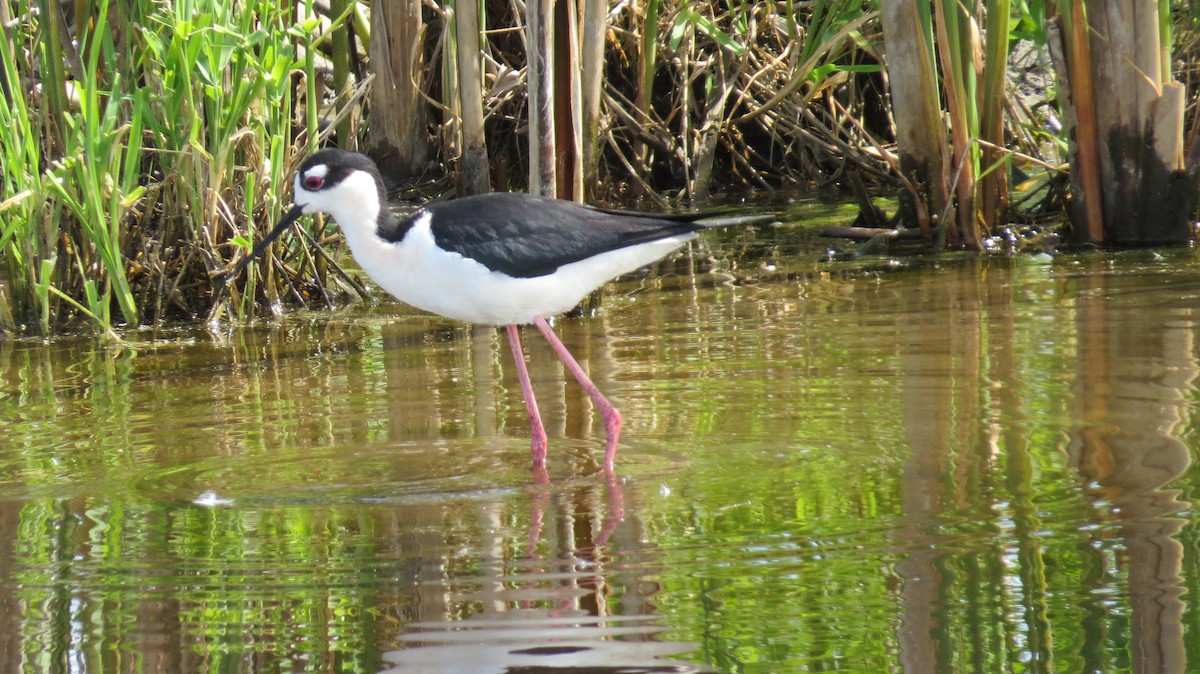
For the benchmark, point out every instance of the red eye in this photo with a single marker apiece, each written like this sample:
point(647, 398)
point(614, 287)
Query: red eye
point(313, 182)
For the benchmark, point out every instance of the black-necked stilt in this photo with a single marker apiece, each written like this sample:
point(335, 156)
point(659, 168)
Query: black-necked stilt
point(499, 258)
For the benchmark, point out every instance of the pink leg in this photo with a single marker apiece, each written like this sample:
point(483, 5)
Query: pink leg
point(612, 418)
point(537, 432)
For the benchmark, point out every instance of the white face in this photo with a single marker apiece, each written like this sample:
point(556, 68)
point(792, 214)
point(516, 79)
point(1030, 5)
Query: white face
point(310, 187)
point(350, 196)
point(352, 199)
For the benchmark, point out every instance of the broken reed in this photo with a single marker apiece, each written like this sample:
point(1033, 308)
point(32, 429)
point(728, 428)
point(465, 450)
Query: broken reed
point(135, 153)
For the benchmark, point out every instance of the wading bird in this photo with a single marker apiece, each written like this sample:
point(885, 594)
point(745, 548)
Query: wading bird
point(497, 259)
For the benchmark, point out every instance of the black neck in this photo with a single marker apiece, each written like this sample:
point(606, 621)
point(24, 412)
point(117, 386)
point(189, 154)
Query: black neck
point(390, 228)
point(387, 226)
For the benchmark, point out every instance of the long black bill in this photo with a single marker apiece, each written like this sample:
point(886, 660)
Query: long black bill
point(286, 222)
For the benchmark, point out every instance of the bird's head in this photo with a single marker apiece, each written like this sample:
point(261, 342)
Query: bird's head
point(338, 182)
point(344, 184)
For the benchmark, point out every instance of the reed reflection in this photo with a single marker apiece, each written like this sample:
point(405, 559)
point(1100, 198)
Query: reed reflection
point(975, 459)
point(1137, 373)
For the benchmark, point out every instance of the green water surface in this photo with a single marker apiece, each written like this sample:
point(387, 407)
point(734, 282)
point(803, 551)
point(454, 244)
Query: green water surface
point(914, 465)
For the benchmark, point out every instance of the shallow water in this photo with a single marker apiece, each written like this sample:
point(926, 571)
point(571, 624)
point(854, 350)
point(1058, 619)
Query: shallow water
point(882, 465)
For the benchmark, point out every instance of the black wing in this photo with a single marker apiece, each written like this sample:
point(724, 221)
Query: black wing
point(526, 236)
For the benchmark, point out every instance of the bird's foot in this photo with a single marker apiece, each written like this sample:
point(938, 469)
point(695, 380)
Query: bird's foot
point(539, 474)
point(612, 431)
point(537, 448)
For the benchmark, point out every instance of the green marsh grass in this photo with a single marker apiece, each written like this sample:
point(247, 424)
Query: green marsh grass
point(159, 134)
